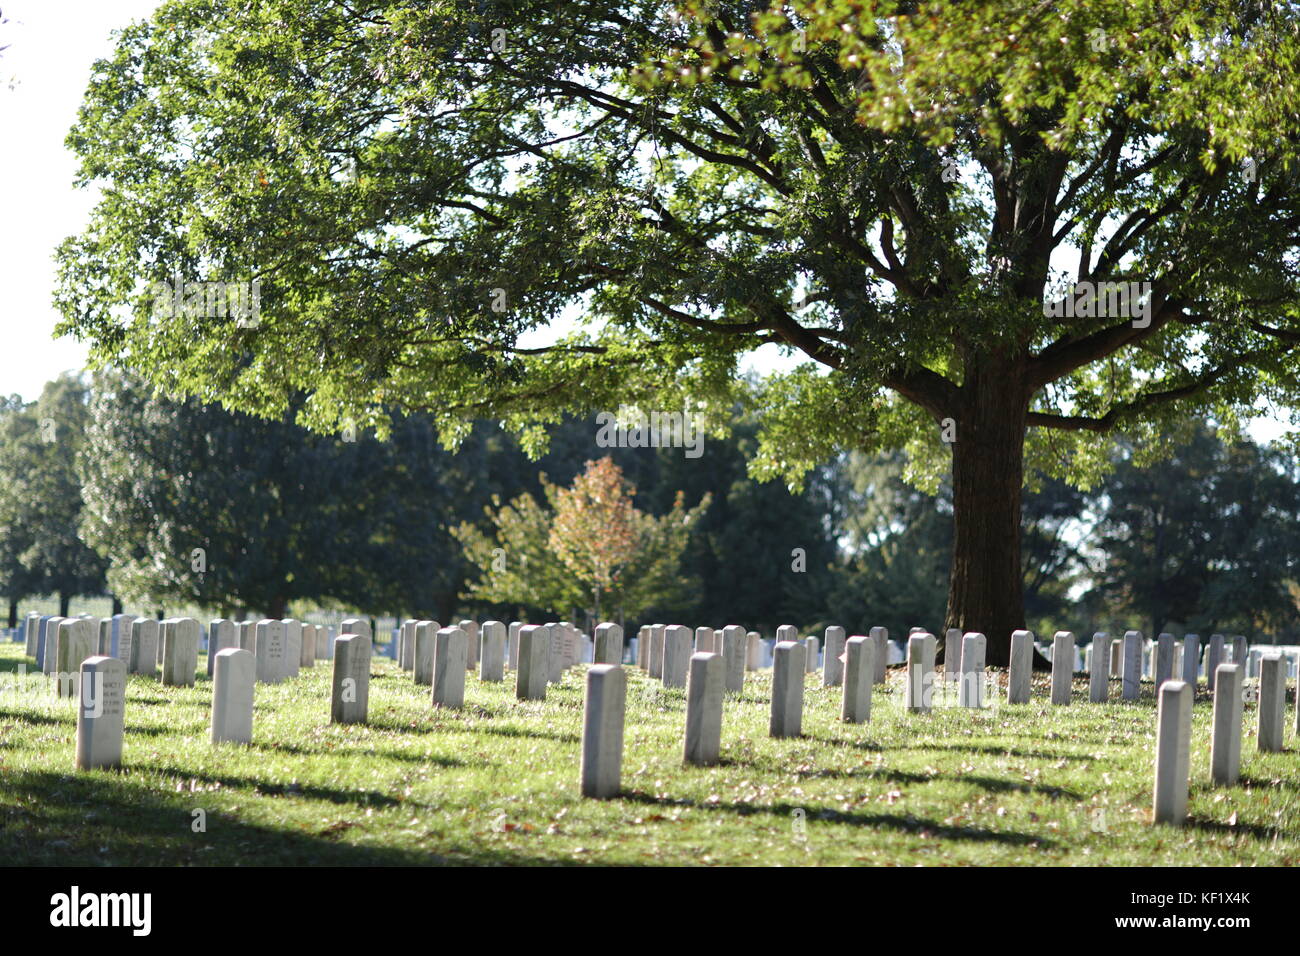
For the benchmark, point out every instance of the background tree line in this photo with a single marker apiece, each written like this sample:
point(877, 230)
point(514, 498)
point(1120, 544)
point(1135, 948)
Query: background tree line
point(107, 487)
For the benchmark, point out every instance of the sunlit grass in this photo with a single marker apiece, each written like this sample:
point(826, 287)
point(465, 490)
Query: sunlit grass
point(497, 782)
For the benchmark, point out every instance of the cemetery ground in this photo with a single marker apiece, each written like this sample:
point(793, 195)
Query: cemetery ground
point(497, 782)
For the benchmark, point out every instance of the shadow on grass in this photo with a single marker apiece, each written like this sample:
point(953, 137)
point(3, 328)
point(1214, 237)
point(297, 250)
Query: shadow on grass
point(105, 818)
point(992, 784)
point(876, 821)
point(1255, 830)
point(358, 750)
point(520, 732)
point(1000, 751)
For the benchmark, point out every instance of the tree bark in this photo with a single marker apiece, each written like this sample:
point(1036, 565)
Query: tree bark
point(64, 601)
point(13, 612)
point(985, 588)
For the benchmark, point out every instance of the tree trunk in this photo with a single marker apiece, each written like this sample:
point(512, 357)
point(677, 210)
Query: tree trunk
point(117, 605)
point(276, 611)
point(13, 612)
point(64, 601)
point(985, 588)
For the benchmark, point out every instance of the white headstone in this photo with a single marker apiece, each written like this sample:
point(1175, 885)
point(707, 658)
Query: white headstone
point(1021, 669)
point(450, 659)
point(406, 645)
point(492, 665)
point(101, 713)
point(920, 672)
point(677, 654)
point(350, 688)
point(269, 650)
point(74, 643)
point(704, 641)
point(1272, 701)
point(1173, 752)
point(655, 663)
point(970, 691)
point(811, 660)
point(1164, 669)
point(221, 635)
point(181, 652)
point(512, 640)
point(1225, 746)
point(880, 639)
point(733, 658)
point(753, 651)
point(859, 675)
point(422, 658)
point(787, 632)
point(233, 673)
point(1132, 683)
point(534, 662)
point(704, 689)
point(833, 657)
point(1099, 668)
point(1191, 658)
point(1062, 666)
point(292, 646)
point(788, 669)
point(602, 728)
point(1213, 658)
point(144, 646)
point(952, 648)
point(609, 644)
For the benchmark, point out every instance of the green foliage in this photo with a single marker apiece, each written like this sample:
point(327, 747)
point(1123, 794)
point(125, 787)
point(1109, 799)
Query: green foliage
point(40, 495)
point(549, 559)
point(1209, 542)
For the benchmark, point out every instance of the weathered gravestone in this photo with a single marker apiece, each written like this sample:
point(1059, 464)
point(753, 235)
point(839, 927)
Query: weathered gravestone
point(180, 652)
point(248, 636)
point(1132, 676)
point(221, 635)
point(308, 657)
point(74, 644)
point(1099, 669)
point(49, 646)
point(144, 646)
point(655, 666)
point(512, 641)
point(350, 687)
point(859, 676)
point(269, 649)
point(406, 645)
point(555, 658)
point(101, 713)
point(880, 641)
point(534, 662)
point(471, 642)
point(1164, 669)
point(704, 640)
point(357, 625)
point(704, 689)
point(292, 646)
point(1173, 752)
point(609, 644)
point(811, 660)
point(788, 669)
point(970, 692)
point(602, 726)
point(753, 651)
point(1272, 701)
point(677, 654)
point(1213, 658)
point(31, 626)
point(450, 659)
point(1225, 747)
point(1062, 667)
point(787, 632)
point(920, 672)
point(492, 665)
point(1021, 669)
point(1191, 658)
point(426, 633)
point(733, 656)
point(833, 657)
point(952, 654)
point(104, 644)
point(233, 675)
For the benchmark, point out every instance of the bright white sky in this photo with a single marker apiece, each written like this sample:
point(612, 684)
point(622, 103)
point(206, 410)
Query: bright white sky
point(43, 74)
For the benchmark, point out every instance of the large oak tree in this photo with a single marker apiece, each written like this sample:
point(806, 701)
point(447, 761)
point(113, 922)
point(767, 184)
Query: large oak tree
point(894, 191)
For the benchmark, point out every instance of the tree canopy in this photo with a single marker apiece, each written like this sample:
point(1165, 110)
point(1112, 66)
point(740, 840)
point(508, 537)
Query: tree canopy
point(510, 210)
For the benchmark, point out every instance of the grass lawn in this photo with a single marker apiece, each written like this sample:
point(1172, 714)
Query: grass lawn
point(496, 783)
